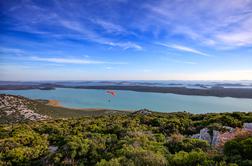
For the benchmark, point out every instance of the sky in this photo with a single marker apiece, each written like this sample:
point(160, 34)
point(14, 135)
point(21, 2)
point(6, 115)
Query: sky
point(125, 40)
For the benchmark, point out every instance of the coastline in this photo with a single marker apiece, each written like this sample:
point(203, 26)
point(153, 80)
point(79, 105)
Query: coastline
point(56, 103)
point(217, 92)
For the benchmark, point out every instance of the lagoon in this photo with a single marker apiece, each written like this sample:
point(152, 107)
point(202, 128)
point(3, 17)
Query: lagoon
point(131, 100)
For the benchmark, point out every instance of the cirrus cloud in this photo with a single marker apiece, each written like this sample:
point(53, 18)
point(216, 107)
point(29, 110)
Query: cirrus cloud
point(72, 61)
point(184, 48)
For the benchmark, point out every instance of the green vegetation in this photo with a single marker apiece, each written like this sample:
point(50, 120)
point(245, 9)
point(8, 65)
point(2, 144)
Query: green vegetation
point(124, 139)
point(239, 150)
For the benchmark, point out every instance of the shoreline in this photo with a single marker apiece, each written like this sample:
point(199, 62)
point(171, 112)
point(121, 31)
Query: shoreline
point(56, 103)
point(217, 92)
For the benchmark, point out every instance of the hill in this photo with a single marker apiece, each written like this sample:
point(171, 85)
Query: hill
point(140, 138)
point(19, 109)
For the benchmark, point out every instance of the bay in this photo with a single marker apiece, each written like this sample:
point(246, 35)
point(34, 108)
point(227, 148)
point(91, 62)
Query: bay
point(131, 100)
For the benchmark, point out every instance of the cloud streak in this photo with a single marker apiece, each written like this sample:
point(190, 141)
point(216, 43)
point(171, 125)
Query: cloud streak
point(61, 33)
point(180, 61)
point(72, 61)
point(110, 27)
point(64, 24)
point(211, 22)
point(93, 36)
point(184, 48)
point(185, 62)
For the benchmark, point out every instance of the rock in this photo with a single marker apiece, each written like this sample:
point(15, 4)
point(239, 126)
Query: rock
point(203, 135)
point(230, 129)
point(197, 136)
point(247, 126)
point(143, 111)
point(17, 108)
point(216, 138)
point(52, 149)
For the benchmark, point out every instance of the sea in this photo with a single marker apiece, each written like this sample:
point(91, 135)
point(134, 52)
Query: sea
point(131, 100)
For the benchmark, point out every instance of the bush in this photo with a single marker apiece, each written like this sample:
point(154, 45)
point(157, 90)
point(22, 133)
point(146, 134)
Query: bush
point(192, 158)
point(123, 139)
point(186, 144)
point(239, 150)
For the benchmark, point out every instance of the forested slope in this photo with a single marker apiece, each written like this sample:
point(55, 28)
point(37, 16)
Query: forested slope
point(141, 138)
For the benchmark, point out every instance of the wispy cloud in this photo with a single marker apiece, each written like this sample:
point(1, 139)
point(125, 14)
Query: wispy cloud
point(64, 24)
point(184, 48)
point(210, 22)
point(108, 68)
point(64, 60)
point(93, 36)
point(15, 51)
point(110, 27)
point(241, 38)
point(123, 45)
point(72, 61)
point(185, 62)
point(180, 61)
point(63, 32)
point(25, 55)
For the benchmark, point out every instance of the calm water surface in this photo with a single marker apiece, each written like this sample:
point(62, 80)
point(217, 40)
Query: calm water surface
point(130, 100)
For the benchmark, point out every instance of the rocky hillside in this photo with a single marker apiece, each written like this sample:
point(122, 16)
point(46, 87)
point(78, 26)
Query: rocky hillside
point(18, 109)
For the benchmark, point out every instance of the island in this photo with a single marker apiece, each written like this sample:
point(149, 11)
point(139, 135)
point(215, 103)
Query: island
point(214, 91)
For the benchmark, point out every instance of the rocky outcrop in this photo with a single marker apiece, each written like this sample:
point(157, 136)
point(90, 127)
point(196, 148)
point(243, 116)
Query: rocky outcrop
point(247, 126)
point(143, 112)
point(216, 138)
point(16, 109)
point(203, 135)
point(219, 138)
point(230, 129)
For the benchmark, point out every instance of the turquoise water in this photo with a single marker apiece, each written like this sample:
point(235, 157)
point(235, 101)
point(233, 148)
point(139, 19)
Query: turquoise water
point(130, 100)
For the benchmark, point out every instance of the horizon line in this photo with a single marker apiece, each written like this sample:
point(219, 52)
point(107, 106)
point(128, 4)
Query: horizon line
point(122, 80)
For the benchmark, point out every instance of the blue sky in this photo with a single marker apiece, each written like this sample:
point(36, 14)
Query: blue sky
point(126, 40)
